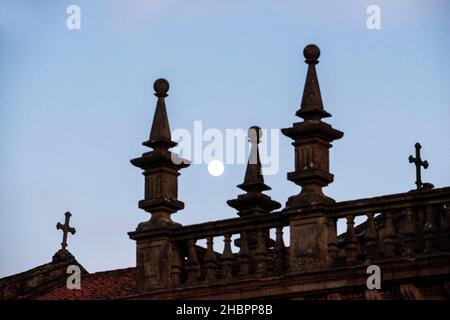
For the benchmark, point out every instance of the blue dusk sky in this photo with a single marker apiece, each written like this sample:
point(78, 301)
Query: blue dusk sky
point(75, 106)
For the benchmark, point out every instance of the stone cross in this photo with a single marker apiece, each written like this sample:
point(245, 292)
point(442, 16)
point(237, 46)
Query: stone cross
point(418, 163)
point(66, 229)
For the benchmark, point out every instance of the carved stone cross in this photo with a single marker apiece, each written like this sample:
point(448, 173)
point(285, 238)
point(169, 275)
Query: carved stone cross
point(66, 228)
point(418, 163)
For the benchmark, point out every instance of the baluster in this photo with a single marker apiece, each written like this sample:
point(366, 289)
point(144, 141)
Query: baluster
point(227, 258)
point(351, 246)
point(371, 238)
point(389, 239)
point(409, 233)
point(429, 230)
point(445, 226)
point(210, 260)
point(280, 250)
point(175, 266)
point(244, 254)
point(332, 241)
point(261, 252)
point(192, 264)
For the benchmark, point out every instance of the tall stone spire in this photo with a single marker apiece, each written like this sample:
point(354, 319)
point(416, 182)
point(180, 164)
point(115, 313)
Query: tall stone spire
point(312, 140)
point(160, 166)
point(253, 202)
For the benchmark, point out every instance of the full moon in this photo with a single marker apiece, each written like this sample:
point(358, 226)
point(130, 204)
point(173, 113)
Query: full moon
point(215, 168)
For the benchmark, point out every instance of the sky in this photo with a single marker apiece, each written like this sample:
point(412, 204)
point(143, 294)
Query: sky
point(75, 106)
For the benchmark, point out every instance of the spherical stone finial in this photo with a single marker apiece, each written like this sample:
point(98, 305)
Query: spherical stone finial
point(254, 134)
point(161, 87)
point(311, 53)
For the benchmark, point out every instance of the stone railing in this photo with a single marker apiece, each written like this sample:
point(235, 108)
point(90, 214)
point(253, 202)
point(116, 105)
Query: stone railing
point(395, 226)
point(255, 252)
point(399, 225)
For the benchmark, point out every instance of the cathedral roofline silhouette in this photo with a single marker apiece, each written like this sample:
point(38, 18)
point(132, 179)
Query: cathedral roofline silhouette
point(405, 235)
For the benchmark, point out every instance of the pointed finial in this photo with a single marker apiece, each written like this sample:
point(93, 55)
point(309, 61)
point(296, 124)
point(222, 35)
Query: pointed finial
point(254, 180)
point(160, 136)
point(311, 107)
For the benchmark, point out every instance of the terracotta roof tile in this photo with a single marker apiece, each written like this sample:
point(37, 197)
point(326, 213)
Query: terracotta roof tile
point(103, 285)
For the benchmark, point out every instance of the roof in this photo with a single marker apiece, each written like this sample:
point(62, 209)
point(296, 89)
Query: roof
point(38, 280)
point(104, 285)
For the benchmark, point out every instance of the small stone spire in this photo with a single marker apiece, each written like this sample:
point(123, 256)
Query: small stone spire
point(160, 133)
point(312, 140)
point(160, 166)
point(254, 180)
point(253, 202)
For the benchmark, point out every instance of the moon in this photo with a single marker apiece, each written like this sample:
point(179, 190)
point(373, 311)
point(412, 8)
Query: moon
point(216, 168)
